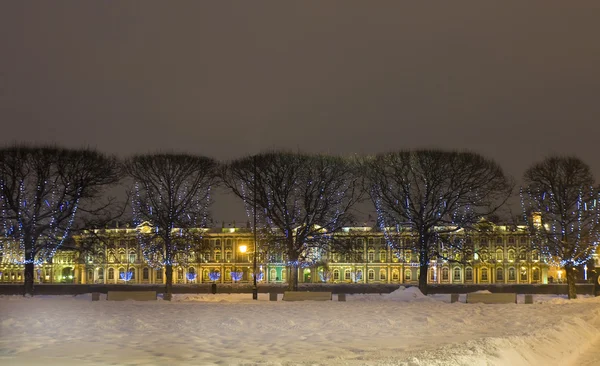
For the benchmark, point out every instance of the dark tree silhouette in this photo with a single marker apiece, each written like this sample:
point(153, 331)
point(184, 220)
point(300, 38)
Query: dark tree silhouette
point(561, 193)
point(171, 195)
point(301, 200)
point(429, 194)
point(42, 190)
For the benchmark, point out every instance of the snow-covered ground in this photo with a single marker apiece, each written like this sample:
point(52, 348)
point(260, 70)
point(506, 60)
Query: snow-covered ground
point(402, 328)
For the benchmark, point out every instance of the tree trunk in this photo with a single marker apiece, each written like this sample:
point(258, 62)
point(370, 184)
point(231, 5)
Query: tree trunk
point(293, 278)
point(293, 260)
point(169, 283)
point(571, 280)
point(29, 268)
point(423, 263)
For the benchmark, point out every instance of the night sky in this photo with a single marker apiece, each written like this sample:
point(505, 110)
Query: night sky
point(513, 80)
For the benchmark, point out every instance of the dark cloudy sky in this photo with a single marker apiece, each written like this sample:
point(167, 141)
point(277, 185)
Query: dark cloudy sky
point(514, 80)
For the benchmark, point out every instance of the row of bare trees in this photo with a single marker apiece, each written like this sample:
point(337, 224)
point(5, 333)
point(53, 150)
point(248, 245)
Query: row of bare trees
point(300, 201)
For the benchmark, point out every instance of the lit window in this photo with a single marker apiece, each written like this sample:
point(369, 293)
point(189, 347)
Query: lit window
point(407, 274)
point(469, 274)
point(499, 274)
point(511, 255)
point(512, 274)
point(347, 274)
point(456, 276)
point(536, 274)
point(382, 256)
point(445, 274)
point(499, 254)
point(382, 275)
point(484, 274)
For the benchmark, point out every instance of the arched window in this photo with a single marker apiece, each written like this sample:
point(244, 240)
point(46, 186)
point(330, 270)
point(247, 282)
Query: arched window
point(395, 275)
point(522, 255)
point(100, 273)
point(499, 274)
point(523, 274)
point(456, 276)
point(111, 273)
point(217, 256)
point(180, 273)
point(121, 273)
point(382, 256)
point(511, 255)
point(484, 274)
point(484, 256)
point(371, 274)
point(284, 274)
point(359, 275)
point(445, 274)
point(145, 273)
point(469, 274)
point(347, 275)
point(535, 274)
point(273, 274)
point(407, 274)
point(512, 274)
point(228, 256)
point(499, 254)
point(159, 274)
point(535, 255)
point(382, 275)
point(371, 256)
point(336, 274)
point(90, 275)
point(205, 273)
point(432, 274)
point(132, 271)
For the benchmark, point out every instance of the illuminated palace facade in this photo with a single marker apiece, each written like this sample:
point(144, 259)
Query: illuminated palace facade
point(500, 255)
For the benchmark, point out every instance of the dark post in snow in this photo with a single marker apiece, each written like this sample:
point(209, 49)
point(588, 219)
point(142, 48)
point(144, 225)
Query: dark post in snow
point(254, 287)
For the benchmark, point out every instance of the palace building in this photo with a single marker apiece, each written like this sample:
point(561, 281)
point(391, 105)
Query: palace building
point(500, 254)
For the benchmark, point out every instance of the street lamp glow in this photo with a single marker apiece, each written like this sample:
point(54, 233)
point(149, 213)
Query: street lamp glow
point(243, 248)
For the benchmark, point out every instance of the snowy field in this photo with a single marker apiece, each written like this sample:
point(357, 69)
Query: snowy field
point(401, 328)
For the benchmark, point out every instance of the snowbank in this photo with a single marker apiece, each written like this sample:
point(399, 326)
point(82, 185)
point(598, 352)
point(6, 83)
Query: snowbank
point(407, 294)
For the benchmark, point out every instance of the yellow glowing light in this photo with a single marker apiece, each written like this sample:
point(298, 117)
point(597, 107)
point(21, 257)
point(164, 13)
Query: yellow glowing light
point(243, 248)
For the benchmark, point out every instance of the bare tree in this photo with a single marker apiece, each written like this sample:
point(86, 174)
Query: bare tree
point(172, 194)
point(301, 200)
point(426, 195)
point(42, 190)
point(561, 192)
